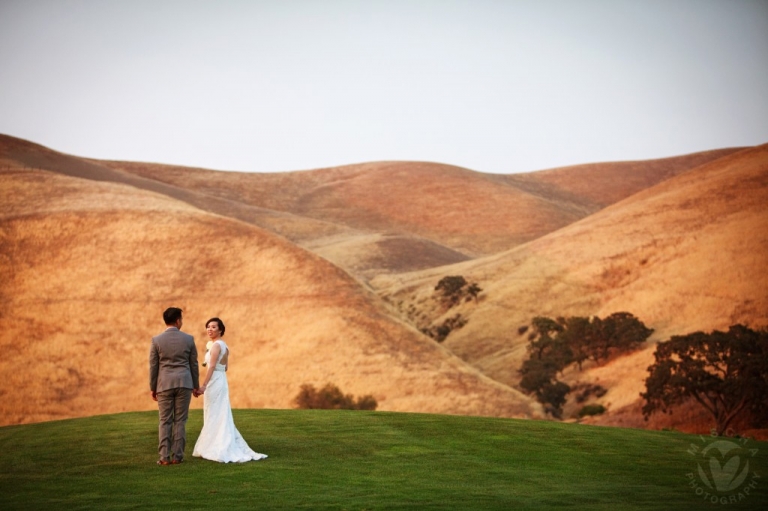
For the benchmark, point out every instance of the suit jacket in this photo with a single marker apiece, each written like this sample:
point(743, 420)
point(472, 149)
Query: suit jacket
point(173, 361)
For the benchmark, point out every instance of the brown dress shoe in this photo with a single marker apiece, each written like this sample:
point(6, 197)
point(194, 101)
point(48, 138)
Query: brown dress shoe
point(176, 462)
point(163, 462)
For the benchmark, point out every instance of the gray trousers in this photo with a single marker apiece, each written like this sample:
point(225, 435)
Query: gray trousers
point(174, 410)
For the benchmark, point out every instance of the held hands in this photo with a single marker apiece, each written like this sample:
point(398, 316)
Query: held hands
point(199, 391)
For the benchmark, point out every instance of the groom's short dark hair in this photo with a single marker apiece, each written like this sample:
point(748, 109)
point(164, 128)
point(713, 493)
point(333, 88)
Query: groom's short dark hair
point(171, 315)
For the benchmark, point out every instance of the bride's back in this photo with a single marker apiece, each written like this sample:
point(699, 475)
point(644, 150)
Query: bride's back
point(224, 356)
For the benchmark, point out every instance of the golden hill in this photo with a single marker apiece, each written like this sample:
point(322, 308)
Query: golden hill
point(385, 217)
point(469, 212)
point(602, 184)
point(88, 267)
point(687, 254)
point(391, 217)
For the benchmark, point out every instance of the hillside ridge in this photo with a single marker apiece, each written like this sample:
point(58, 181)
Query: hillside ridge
point(330, 274)
point(90, 265)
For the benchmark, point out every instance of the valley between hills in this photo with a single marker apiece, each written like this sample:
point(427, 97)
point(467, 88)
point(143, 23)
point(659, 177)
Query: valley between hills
point(329, 275)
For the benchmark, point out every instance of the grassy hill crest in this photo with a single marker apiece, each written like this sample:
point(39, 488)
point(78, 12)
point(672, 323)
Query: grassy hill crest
point(363, 460)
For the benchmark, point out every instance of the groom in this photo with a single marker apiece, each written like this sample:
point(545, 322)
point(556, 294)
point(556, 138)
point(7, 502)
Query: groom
point(173, 377)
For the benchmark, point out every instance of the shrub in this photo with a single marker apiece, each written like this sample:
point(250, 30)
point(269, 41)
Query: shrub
point(330, 397)
point(440, 332)
point(454, 288)
point(451, 286)
point(366, 402)
point(591, 410)
point(585, 391)
point(553, 394)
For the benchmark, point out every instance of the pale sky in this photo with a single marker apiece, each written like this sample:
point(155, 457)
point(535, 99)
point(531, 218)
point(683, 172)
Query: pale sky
point(275, 85)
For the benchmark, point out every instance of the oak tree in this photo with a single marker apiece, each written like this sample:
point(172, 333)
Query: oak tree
point(725, 372)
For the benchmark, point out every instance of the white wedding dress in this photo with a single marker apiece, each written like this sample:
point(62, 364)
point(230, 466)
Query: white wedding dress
point(220, 440)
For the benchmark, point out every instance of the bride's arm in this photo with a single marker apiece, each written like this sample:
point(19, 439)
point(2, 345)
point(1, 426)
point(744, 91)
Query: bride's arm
point(214, 356)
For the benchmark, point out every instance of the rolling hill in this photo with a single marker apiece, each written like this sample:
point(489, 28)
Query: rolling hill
point(328, 274)
point(687, 254)
point(385, 217)
point(88, 267)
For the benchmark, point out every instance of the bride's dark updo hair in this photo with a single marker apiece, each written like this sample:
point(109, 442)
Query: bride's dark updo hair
point(220, 323)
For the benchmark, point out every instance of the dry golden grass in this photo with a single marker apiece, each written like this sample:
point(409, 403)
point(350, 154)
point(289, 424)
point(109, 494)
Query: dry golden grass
point(88, 267)
point(369, 255)
point(688, 254)
point(468, 212)
point(603, 184)
point(387, 217)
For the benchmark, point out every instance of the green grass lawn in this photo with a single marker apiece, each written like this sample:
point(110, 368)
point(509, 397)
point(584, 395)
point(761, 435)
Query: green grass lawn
point(324, 459)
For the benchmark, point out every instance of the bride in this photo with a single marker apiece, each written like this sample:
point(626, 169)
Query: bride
point(219, 440)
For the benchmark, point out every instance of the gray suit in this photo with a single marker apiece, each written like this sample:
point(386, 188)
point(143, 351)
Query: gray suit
point(173, 374)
